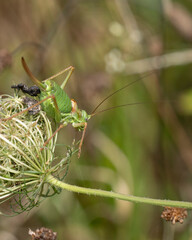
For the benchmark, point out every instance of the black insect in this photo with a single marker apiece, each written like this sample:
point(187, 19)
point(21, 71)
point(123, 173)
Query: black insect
point(32, 91)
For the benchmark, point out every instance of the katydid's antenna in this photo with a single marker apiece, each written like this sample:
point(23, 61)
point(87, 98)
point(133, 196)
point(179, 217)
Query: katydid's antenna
point(110, 95)
point(119, 106)
point(129, 104)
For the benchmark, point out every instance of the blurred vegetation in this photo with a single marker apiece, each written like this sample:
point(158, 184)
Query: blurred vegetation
point(144, 150)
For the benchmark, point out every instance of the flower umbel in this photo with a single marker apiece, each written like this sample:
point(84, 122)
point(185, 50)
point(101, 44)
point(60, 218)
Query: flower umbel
point(24, 164)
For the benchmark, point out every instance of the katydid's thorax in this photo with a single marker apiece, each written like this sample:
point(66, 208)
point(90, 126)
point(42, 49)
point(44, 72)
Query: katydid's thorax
point(62, 100)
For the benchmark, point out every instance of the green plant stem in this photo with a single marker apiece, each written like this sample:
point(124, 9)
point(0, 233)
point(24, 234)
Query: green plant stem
point(97, 192)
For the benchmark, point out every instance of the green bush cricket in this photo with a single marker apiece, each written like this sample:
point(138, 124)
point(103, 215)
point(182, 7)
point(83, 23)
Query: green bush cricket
point(57, 104)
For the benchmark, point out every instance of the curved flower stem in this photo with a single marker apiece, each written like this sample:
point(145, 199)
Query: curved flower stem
point(97, 192)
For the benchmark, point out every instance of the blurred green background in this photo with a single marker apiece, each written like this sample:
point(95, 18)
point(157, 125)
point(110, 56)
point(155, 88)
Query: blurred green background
point(144, 150)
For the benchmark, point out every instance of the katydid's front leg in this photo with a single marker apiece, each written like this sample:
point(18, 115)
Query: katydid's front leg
point(76, 125)
point(56, 131)
point(84, 125)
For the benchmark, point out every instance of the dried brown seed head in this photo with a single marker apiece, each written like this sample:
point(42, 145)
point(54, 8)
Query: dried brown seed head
point(43, 234)
point(174, 214)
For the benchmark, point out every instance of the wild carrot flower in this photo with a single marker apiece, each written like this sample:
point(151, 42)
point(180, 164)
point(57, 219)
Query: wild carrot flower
point(24, 162)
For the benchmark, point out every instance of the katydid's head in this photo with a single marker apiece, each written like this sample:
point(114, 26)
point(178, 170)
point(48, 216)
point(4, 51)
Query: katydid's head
point(82, 115)
point(85, 115)
point(80, 118)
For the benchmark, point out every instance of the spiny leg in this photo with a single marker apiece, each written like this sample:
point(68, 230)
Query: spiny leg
point(36, 81)
point(56, 131)
point(70, 69)
point(82, 138)
point(29, 108)
point(34, 105)
point(84, 125)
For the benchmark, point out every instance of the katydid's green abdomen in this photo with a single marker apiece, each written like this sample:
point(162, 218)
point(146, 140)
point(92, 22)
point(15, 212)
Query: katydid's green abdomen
point(62, 99)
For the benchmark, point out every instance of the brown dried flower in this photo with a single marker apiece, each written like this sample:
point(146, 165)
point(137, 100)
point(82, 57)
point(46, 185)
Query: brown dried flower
point(174, 214)
point(43, 234)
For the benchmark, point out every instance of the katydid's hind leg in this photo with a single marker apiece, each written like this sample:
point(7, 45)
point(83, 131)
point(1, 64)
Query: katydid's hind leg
point(68, 76)
point(57, 111)
point(38, 83)
point(19, 113)
point(29, 108)
point(70, 69)
point(49, 139)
